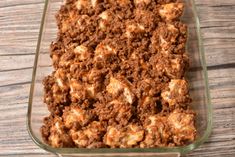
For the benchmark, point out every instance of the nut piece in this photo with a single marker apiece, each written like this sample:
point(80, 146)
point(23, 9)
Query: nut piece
point(94, 3)
point(176, 93)
point(80, 91)
point(182, 124)
point(91, 91)
point(66, 60)
point(61, 79)
point(112, 137)
point(115, 87)
point(171, 11)
point(58, 136)
point(170, 38)
point(173, 66)
point(141, 15)
point(134, 28)
point(105, 19)
point(104, 51)
point(90, 136)
point(137, 2)
point(54, 96)
point(157, 132)
point(74, 114)
point(82, 52)
point(123, 137)
point(56, 51)
point(129, 96)
point(176, 67)
point(80, 4)
point(58, 96)
point(133, 135)
point(76, 90)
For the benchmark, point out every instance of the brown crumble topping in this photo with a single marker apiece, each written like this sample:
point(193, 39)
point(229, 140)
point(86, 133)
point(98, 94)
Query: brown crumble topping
point(119, 76)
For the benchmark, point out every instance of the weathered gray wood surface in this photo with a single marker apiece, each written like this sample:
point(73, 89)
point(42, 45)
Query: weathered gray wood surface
point(19, 28)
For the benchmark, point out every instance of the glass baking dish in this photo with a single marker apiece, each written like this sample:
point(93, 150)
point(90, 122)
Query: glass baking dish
point(197, 77)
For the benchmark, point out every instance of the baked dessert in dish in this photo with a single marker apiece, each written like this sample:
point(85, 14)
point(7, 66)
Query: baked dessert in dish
point(119, 76)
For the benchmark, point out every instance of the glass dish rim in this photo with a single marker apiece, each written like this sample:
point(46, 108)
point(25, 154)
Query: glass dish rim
point(181, 150)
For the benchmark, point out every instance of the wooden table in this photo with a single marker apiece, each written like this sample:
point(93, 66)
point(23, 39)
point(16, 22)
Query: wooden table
point(19, 28)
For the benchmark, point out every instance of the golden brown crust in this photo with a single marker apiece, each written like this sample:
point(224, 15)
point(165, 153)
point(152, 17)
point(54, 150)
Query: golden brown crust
point(119, 76)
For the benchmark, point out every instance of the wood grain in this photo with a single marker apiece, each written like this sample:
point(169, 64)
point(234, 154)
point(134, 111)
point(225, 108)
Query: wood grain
point(19, 27)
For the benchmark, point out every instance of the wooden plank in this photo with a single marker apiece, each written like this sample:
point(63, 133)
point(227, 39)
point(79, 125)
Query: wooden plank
point(21, 76)
point(217, 26)
point(9, 63)
point(212, 3)
point(8, 3)
point(19, 25)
